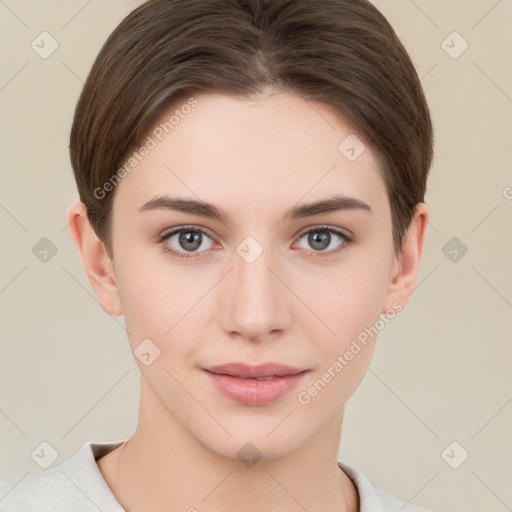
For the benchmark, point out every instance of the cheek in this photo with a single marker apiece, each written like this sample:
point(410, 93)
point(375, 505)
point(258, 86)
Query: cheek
point(349, 303)
point(350, 307)
point(349, 300)
point(147, 314)
point(163, 303)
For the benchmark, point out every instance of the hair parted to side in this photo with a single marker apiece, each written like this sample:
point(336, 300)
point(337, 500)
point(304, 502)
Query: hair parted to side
point(343, 53)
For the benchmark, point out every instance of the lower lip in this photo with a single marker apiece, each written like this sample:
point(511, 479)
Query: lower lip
point(255, 392)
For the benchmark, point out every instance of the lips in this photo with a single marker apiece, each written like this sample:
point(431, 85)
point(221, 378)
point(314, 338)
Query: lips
point(255, 385)
point(265, 371)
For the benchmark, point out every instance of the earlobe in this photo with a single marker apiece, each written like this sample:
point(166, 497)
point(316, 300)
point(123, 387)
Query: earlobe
point(407, 264)
point(97, 264)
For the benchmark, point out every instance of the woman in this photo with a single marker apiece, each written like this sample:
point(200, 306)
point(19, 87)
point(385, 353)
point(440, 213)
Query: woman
point(251, 178)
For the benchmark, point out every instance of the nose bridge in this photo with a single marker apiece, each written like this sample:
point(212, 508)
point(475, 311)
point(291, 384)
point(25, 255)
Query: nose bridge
point(255, 304)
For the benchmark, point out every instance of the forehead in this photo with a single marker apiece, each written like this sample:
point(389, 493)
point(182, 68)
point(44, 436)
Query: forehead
point(250, 152)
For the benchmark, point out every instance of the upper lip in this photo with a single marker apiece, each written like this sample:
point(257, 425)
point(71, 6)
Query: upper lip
point(261, 370)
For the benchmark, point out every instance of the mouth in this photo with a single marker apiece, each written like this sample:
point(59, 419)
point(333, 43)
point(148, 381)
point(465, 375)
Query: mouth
point(264, 371)
point(255, 385)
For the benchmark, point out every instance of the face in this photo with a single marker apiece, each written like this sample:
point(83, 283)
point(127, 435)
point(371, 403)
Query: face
point(257, 284)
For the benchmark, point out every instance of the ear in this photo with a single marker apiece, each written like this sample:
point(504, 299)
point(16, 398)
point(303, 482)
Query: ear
point(407, 263)
point(97, 263)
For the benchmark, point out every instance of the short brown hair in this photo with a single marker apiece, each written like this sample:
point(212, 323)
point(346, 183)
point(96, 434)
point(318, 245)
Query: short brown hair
point(343, 53)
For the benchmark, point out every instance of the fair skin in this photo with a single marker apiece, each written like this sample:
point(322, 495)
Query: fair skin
point(254, 159)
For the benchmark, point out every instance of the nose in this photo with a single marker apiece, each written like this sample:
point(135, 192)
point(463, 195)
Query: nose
point(255, 302)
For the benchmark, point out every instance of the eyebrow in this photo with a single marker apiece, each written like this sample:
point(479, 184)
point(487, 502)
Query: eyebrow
point(192, 206)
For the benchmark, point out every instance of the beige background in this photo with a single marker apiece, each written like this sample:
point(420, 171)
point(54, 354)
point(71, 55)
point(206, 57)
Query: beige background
point(441, 371)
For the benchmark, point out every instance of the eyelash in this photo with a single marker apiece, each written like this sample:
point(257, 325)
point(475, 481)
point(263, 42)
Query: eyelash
point(346, 240)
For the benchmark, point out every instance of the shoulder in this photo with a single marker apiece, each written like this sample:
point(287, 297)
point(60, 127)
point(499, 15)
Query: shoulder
point(392, 504)
point(74, 485)
point(373, 499)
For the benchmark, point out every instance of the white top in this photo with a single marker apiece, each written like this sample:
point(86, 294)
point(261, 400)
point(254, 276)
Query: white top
point(77, 485)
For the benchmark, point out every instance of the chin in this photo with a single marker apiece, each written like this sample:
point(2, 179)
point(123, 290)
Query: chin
point(253, 442)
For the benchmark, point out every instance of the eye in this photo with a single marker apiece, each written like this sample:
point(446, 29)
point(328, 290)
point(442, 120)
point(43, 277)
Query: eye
point(324, 239)
point(186, 241)
point(190, 241)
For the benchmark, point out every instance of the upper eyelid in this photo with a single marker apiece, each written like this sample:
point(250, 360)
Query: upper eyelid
point(172, 231)
point(326, 227)
point(191, 227)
